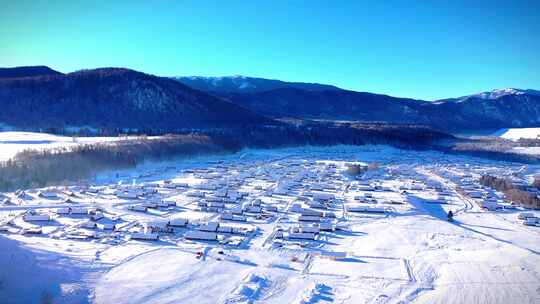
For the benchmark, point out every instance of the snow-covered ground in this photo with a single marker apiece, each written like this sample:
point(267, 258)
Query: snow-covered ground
point(13, 142)
point(404, 251)
point(527, 150)
point(517, 133)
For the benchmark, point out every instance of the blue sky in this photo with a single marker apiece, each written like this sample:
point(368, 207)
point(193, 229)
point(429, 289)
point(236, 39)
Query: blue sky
point(419, 49)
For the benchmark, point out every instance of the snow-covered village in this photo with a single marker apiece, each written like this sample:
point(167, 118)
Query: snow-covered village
point(269, 152)
point(299, 225)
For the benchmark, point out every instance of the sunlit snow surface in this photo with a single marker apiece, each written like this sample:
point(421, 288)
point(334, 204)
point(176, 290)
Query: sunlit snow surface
point(13, 142)
point(517, 133)
point(410, 254)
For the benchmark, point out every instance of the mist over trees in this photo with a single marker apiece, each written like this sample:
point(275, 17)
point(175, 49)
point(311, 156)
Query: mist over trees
point(40, 168)
point(33, 168)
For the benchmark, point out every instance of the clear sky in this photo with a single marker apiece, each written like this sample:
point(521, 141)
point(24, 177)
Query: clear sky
point(421, 49)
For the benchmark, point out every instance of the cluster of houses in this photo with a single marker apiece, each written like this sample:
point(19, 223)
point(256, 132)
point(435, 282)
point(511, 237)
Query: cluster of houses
point(486, 197)
point(467, 180)
point(468, 185)
point(528, 219)
point(86, 218)
point(303, 200)
point(364, 199)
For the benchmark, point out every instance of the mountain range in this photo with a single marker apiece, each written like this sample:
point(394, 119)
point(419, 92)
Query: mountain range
point(39, 97)
point(244, 84)
point(494, 94)
point(500, 108)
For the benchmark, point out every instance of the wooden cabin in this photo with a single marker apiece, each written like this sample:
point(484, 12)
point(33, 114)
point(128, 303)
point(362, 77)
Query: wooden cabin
point(332, 255)
point(366, 209)
point(201, 235)
point(63, 211)
point(36, 217)
point(209, 227)
point(307, 218)
point(88, 225)
point(178, 222)
point(299, 235)
point(47, 194)
point(144, 236)
point(137, 208)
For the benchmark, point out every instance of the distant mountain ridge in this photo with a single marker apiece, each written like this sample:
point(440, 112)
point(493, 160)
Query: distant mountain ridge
point(329, 104)
point(244, 84)
point(487, 110)
point(494, 94)
point(123, 98)
point(27, 71)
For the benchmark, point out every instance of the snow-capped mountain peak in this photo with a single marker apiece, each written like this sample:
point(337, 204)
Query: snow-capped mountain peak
point(245, 84)
point(494, 94)
point(497, 93)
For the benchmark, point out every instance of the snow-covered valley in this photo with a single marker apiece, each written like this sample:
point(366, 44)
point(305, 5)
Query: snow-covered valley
point(13, 142)
point(274, 226)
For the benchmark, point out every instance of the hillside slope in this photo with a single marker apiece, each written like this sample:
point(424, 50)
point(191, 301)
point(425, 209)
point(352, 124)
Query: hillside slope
point(27, 71)
point(475, 112)
point(115, 98)
point(330, 104)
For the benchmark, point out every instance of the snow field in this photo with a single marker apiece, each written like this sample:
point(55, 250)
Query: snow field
point(13, 142)
point(408, 253)
point(517, 133)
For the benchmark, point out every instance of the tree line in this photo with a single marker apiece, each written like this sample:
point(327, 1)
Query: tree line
point(511, 191)
point(32, 168)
